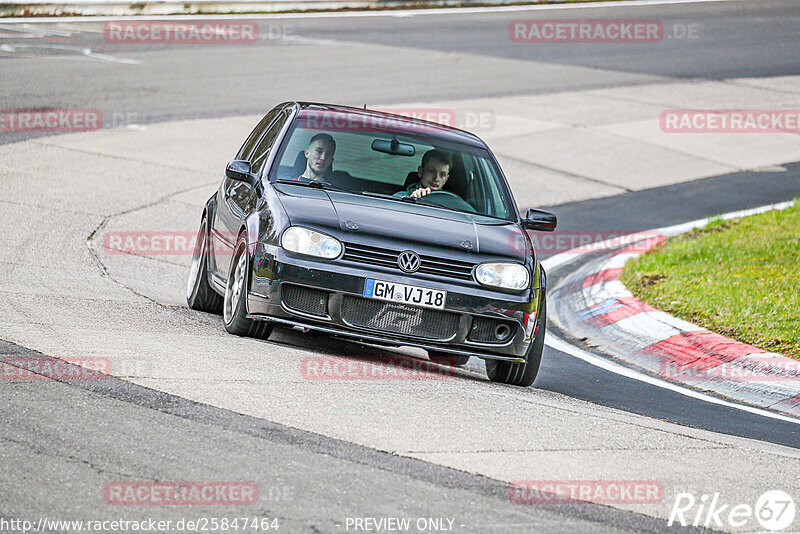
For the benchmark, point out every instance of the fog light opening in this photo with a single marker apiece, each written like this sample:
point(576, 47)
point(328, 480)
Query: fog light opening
point(502, 332)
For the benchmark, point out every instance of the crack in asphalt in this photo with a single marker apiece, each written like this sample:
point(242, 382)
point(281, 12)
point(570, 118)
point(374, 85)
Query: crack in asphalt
point(33, 448)
point(104, 270)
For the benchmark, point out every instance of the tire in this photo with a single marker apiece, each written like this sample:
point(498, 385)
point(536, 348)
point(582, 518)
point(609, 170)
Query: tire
point(234, 309)
point(521, 374)
point(199, 294)
point(455, 360)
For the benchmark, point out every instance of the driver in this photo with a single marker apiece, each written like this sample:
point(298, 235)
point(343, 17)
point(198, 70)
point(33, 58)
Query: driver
point(319, 157)
point(433, 173)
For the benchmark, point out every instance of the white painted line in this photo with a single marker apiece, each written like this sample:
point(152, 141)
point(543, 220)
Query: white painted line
point(555, 342)
point(355, 14)
point(36, 32)
point(78, 50)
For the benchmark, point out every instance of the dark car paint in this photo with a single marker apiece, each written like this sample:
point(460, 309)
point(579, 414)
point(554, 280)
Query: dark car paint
point(390, 221)
point(263, 212)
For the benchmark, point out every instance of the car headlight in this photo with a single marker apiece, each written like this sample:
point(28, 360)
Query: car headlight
point(310, 243)
point(505, 275)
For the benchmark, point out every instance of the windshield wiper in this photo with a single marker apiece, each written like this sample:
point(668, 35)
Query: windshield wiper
point(316, 184)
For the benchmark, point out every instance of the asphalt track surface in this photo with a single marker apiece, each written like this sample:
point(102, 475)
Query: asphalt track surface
point(123, 430)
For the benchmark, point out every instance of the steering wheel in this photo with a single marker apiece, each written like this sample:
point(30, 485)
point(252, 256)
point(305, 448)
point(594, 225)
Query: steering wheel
point(449, 199)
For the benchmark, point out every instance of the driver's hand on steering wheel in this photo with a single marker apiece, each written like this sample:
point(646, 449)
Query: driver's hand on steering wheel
point(421, 192)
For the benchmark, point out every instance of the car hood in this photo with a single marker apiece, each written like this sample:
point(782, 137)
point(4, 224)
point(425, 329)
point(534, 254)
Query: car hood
point(357, 218)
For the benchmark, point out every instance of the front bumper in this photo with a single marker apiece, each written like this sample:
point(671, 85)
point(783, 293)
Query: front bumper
point(466, 306)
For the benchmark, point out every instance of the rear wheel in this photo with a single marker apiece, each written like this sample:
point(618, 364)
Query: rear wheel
point(521, 374)
point(234, 314)
point(448, 359)
point(199, 294)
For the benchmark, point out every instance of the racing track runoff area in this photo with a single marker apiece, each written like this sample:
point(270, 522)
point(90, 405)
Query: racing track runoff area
point(188, 402)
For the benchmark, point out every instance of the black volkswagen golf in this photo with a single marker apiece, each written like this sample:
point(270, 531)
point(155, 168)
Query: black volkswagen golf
point(377, 227)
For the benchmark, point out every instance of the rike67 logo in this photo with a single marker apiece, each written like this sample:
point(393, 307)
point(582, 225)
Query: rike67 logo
point(774, 511)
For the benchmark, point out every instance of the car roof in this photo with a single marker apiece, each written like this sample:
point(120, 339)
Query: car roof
point(401, 123)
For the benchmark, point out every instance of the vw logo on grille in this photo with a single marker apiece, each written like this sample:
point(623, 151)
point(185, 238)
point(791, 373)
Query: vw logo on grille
point(408, 261)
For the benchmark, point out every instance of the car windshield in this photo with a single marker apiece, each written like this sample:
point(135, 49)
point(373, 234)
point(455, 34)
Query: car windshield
point(361, 153)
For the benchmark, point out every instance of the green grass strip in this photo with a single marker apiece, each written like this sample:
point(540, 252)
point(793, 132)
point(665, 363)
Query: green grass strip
point(740, 278)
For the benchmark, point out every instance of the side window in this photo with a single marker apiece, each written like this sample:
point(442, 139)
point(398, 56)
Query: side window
point(259, 155)
point(255, 135)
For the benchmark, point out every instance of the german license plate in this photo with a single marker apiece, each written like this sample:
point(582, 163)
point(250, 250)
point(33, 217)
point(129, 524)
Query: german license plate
point(414, 295)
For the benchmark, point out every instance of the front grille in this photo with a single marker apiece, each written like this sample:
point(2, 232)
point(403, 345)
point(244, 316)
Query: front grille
point(484, 330)
point(399, 318)
point(305, 300)
point(384, 257)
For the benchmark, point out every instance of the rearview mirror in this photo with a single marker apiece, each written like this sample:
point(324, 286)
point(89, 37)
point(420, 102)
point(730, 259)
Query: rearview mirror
point(543, 221)
point(393, 147)
point(239, 170)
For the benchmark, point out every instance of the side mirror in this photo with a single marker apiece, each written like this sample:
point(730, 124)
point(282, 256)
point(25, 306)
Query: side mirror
point(543, 221)
point(239, 170)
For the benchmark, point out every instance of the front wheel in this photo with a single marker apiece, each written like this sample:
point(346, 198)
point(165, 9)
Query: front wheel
point(521, 374)
point(234, 313)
